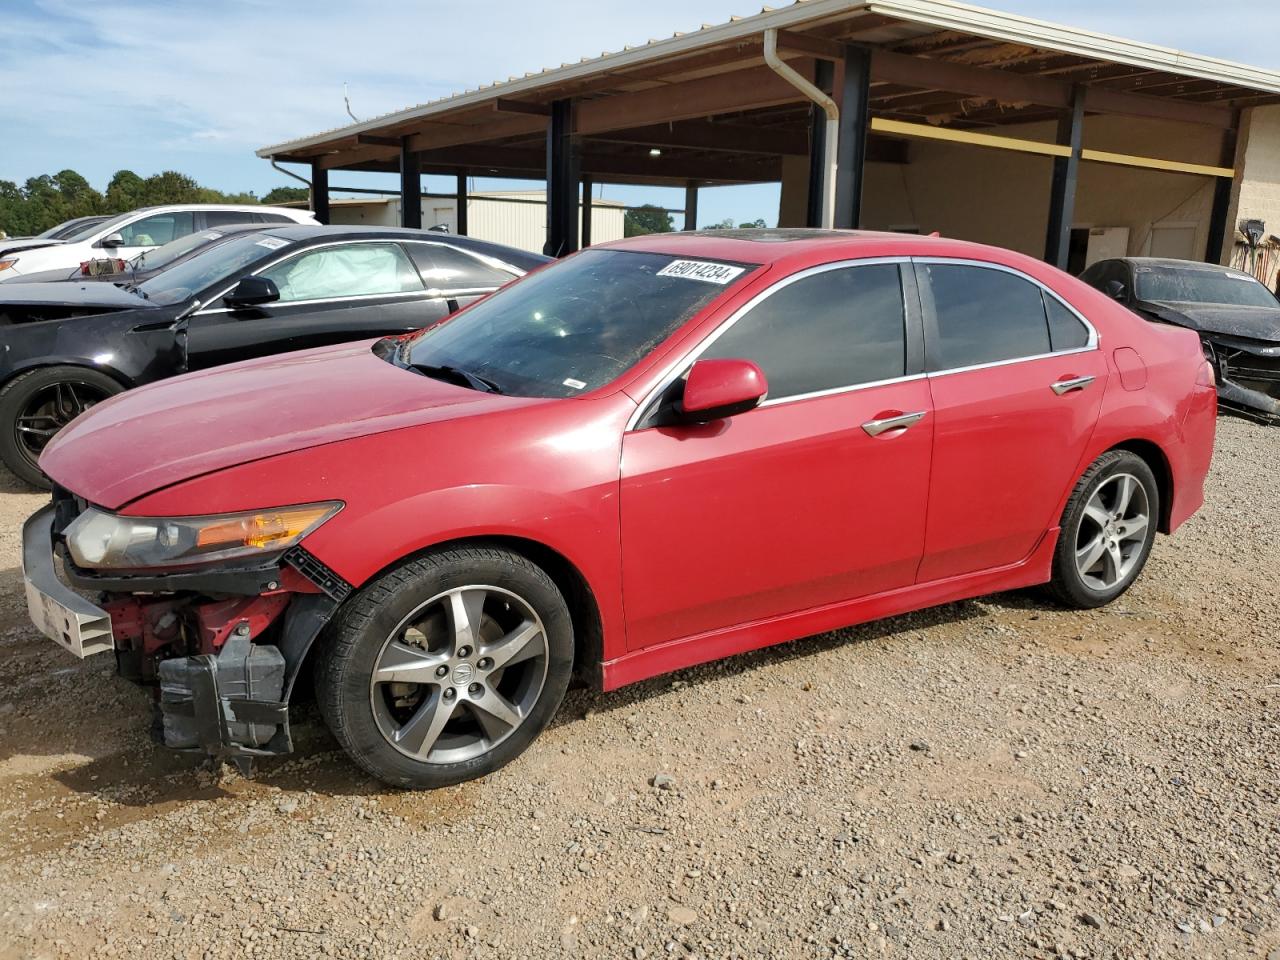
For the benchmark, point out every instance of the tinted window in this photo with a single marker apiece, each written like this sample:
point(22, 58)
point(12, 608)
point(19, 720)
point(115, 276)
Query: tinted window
point(984, 316)
point(157, 230)
point(1066, 332)
point(354, 270)
point(274, 218)
point(215, 218)
point(576, 324)
point(447, 269)
point(832, 329)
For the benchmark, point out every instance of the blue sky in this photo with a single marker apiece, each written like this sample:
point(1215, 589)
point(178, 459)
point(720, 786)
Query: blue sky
point(196, 87)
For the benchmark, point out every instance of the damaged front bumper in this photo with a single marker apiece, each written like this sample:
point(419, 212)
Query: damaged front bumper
point(1248, 374)
point(222, 645)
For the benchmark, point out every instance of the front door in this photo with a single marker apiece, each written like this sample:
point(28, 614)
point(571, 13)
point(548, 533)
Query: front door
point(328, 295)
point(1017, 382)
point(795, 504)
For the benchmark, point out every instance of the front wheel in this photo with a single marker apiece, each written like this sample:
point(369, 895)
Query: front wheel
point(36, 405)
point(1108, 529)
point(447, 668)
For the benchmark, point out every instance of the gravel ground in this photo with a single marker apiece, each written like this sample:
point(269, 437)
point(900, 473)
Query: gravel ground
point(996, 778)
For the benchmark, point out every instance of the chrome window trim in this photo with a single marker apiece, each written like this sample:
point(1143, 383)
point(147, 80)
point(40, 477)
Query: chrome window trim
point(674, 370)
point(267, 265)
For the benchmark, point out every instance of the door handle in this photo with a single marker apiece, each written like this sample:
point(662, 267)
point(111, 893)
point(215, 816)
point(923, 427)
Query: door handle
point(1066, 386)
point(902, 422)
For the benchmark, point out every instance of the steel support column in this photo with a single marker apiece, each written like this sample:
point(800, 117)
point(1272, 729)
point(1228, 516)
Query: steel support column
point(1222, 188)
point(410, 187)
point(587, 187)
point(824, 79)
point(460, 217)
point(851, 156)
point(1062, 192)
point(562, 182)
point(319, 192)
point(691, 205)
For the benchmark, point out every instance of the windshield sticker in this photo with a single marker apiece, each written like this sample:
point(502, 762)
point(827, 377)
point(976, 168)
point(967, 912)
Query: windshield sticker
point(1241, 277)
point(719, 273)
point(575, 384)
point(212, 235)
point(273, 243)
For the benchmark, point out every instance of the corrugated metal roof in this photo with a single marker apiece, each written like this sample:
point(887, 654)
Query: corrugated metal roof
point(933, 15)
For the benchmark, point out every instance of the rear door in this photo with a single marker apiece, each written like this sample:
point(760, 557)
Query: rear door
point(1016, 380)
point(330, 294)
point(795, 504)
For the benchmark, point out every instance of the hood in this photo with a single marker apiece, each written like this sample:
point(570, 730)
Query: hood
point(98, 296)
point(14, 245)
point(142, 440)
point(1253, 323)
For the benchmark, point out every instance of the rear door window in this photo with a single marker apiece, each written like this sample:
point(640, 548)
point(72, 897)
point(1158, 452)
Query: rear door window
point(444, 268)
point(832, 329)
point(982, 315)
point(1066, 331)
point(217, 218)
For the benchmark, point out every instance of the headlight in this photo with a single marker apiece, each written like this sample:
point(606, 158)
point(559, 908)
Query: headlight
point(103, 541)
point(6, 264)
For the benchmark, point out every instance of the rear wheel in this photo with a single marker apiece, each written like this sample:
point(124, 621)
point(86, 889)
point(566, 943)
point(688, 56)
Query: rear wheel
point(447, 668)
point(36, 405)
point(1108, 529)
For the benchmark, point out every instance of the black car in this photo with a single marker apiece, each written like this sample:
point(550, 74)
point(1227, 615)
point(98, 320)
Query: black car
point(1237, 317)
point(66, 346)
point(148, 263)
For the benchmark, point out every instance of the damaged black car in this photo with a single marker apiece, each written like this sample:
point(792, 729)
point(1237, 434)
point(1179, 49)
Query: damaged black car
point(1237, 317)
point(66, 346)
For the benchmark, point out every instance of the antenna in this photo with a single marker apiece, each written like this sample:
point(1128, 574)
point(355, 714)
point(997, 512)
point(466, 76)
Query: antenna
point(347, 101)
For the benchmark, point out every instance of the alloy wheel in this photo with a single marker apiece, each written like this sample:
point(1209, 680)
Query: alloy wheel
point(460, 674)
point(50, 409)
point(1112, 532)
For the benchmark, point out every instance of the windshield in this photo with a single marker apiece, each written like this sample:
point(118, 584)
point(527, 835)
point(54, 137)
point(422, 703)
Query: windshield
point(1203, 286)
point(575, 325)
point(220, 261)
point(171, 251)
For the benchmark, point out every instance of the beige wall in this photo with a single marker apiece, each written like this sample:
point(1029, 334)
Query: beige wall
point(1256, 194)
point(1002, 197)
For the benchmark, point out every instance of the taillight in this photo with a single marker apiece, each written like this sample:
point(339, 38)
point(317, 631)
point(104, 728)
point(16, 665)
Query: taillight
point(1205, 377)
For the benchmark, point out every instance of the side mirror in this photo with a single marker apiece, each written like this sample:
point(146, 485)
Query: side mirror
point(251, 292)
point(111, 241)
point(1115, 290)
point(716, 389)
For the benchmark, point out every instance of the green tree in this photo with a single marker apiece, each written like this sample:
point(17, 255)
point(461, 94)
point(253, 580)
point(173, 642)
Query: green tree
point(287, 195)
point(648, 218)
point(725, 224)
point(757, 224)
point(125, 191)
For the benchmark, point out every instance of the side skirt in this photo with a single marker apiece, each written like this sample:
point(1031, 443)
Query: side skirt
point(704, 647)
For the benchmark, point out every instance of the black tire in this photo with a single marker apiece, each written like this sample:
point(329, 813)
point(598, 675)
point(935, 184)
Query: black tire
point(19, 450)
point(1069, 586)
point(370, 621)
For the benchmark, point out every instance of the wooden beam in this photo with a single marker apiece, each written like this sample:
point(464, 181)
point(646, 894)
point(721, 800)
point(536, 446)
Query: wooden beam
point(747, 89)
point(490, 127)
point(808, 46)
point(927, 132)
point(716, 137)
point(725, 169)
point(505, 105)
point(370, 140)
point(1012, 87)
point(1152, 163)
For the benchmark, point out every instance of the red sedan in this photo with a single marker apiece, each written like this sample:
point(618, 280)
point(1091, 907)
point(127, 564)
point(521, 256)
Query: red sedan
point(649, 455)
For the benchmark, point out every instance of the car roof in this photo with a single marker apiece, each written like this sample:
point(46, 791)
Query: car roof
point(297, 232)
point(250, 207)
point(770, 246)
